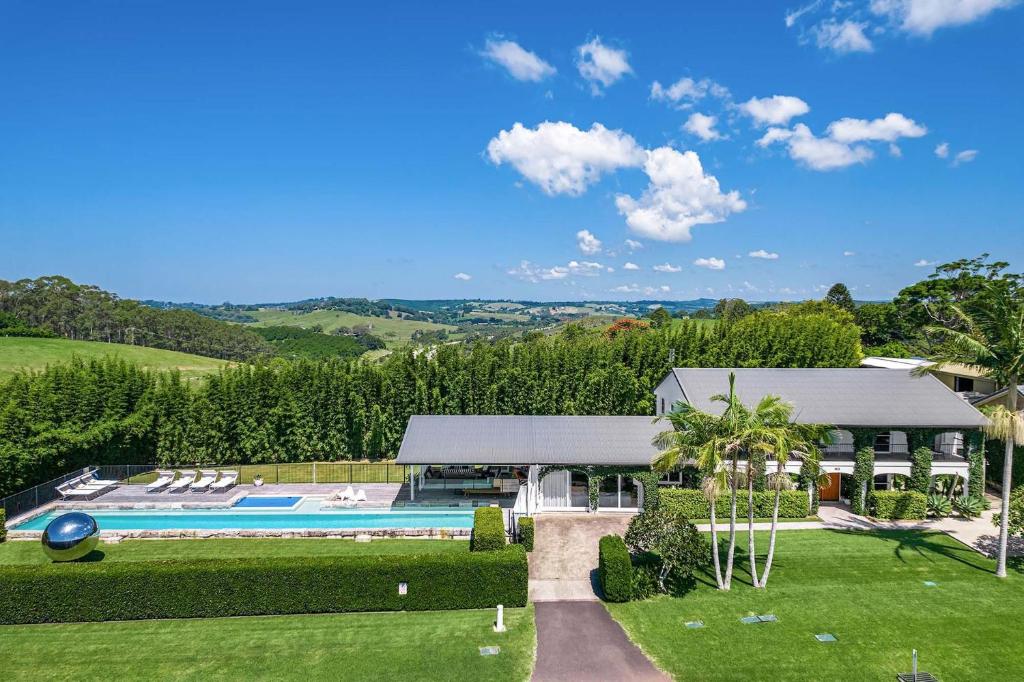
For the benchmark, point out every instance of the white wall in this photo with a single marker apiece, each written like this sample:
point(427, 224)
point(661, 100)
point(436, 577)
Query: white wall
point(667, 394)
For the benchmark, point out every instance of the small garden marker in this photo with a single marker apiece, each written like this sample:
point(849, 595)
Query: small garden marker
point(930, 583)
point(825, 637)
point(499, 624)
point(694, 624)
point(490, 650)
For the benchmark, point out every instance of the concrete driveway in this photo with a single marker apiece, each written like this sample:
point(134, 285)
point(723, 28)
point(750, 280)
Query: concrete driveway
point(563, 564)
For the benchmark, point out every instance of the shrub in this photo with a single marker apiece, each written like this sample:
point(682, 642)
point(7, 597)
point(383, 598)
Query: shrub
point(675, 543)
point(939, 505)
point(526, 531)
point(646, 569)
point(209, 588)
point(3, 528)
point(1016, 523)
point(970, 506)
point(693, 505)
point(614, 569)
point(897, 504)
point(488, 530)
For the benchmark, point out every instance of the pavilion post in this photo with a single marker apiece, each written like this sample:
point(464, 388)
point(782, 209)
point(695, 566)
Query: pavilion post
point(412, 484)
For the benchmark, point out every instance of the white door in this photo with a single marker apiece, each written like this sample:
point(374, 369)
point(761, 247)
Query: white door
point(554, 490)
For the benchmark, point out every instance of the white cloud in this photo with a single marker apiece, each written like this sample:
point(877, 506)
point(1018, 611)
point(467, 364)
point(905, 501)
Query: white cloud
point(774, 110)
point(685, 91)
point(942, 150)
point(923, 263)
point(588, 243)
point(888, 129)
point(924, 17)
point(702, 126)
point(710, 263)
point(663, 289)
point(679, 196)
point(626, 289)
point(520, 63)
point(817, 153)
point(794, 15)
point(849, 253)
point(843, 37)
point(895, 151)
point(966, 156)
point(761, 253)
point(463, 276)
point(668, 267)
point(561, 158)
point(630, 266)
point(531, 272)
point(633, 245)
point(601, 65)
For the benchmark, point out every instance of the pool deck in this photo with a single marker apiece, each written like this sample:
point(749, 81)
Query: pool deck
point(378, 496)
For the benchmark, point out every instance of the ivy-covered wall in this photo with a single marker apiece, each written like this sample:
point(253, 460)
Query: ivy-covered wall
point(863, 472)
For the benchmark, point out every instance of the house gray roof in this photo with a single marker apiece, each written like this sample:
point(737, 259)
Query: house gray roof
point(844, 397)
point(492, 439)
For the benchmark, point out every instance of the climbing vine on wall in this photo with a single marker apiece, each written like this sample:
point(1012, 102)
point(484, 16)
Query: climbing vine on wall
point(863, 472)
point(595, 474)
point(921, 470)
point(975, 452)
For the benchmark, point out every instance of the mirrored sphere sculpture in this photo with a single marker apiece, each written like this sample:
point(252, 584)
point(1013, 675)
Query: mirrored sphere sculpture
point(70, 536)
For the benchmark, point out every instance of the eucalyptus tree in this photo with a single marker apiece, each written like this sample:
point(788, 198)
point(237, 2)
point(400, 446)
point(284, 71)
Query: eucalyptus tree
point(987, 335)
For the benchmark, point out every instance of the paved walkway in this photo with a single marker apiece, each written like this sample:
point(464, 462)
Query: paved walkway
point(563, 564)
point(580, 641)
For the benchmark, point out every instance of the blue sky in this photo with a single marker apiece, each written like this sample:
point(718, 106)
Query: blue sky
point(273, 151)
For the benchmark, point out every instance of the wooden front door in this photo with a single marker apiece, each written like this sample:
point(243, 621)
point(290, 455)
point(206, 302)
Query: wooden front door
point(830, 492)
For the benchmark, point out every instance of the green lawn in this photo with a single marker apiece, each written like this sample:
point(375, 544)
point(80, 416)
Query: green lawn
point(394, 332)
point(35, 354)
point(438, 645)
point(29, 552)
point(867, 589)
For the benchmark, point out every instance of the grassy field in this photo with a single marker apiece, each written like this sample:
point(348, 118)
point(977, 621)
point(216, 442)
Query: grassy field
point(23, 353)
point(393, 331)
point(358, 646)
point(867, 589)
point(30, 553)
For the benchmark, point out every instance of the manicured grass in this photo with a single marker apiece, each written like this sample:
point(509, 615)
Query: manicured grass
point(30, 552)
point(867, 589)
point(23, 353)
point(433, 645)
point(395, 332)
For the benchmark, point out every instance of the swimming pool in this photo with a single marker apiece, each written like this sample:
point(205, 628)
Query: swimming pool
point(307, 516)
point(267, 502)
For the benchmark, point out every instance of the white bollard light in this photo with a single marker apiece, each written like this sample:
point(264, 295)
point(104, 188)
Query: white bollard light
point(499, 625)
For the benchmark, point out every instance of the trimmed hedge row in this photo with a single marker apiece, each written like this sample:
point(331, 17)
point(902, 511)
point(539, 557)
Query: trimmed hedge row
point(3, 528)
point(693, 505)
point(615, 569)
point(897, 504)
point(488, 530)
point(526, 532)
point(131, 590)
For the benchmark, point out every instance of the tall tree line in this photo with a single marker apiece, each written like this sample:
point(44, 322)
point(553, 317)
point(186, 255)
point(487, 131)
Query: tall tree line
point(286, 411)
point(85, 312)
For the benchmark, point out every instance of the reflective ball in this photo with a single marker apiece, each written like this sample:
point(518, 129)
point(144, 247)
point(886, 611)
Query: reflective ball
point(70, 536)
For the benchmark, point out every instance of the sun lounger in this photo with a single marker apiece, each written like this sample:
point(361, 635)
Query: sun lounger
point(226, 480)
point(183, 481)
point(360, 496)
point(67, 492)
point(90, 479)
point(348, 494)
point(163, 479)
point(206, 478)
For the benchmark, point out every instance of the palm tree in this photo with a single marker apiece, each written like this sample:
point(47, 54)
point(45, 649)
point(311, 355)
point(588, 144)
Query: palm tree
point(990, 339)
point(696, 436)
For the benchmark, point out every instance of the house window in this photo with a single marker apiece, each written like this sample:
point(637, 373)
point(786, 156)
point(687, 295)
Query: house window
point(662, 406)
point(963, 384)
point(882, 482)
point(579, 490)
point(882, 442)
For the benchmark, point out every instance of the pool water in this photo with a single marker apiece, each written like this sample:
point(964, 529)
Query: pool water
point(307, 515)
point(267, 502)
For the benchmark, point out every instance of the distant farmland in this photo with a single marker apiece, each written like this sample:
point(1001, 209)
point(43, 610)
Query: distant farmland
point(18, 354)
point(394, 332)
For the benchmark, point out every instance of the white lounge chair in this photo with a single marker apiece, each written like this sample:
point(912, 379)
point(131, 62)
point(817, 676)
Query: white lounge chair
point(360, 496)
point(206, 478)
point(90, 479)
point(67, 492)
point(183, 481)
point(347, 494)
point(163, 479)
point(226, 480)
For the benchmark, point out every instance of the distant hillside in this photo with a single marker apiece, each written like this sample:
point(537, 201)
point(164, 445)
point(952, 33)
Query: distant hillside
point(394, 331)
point(35, 354)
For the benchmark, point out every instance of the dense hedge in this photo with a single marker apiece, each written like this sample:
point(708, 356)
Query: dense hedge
point(615, 569)
point(209, 588)
point(526, 531)
point(693, 505)
point(488, 529)
point(3, 528)
point(897, 504)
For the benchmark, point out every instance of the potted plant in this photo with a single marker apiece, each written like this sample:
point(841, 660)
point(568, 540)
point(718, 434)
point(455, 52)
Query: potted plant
point(257, 480)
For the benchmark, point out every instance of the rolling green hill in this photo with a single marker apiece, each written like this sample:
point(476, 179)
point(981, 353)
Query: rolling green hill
point(394, 331)
point(25, 353)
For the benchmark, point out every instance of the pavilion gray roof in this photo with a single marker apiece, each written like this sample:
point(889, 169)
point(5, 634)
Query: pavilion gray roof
point(514, 439)
point(844, 397)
